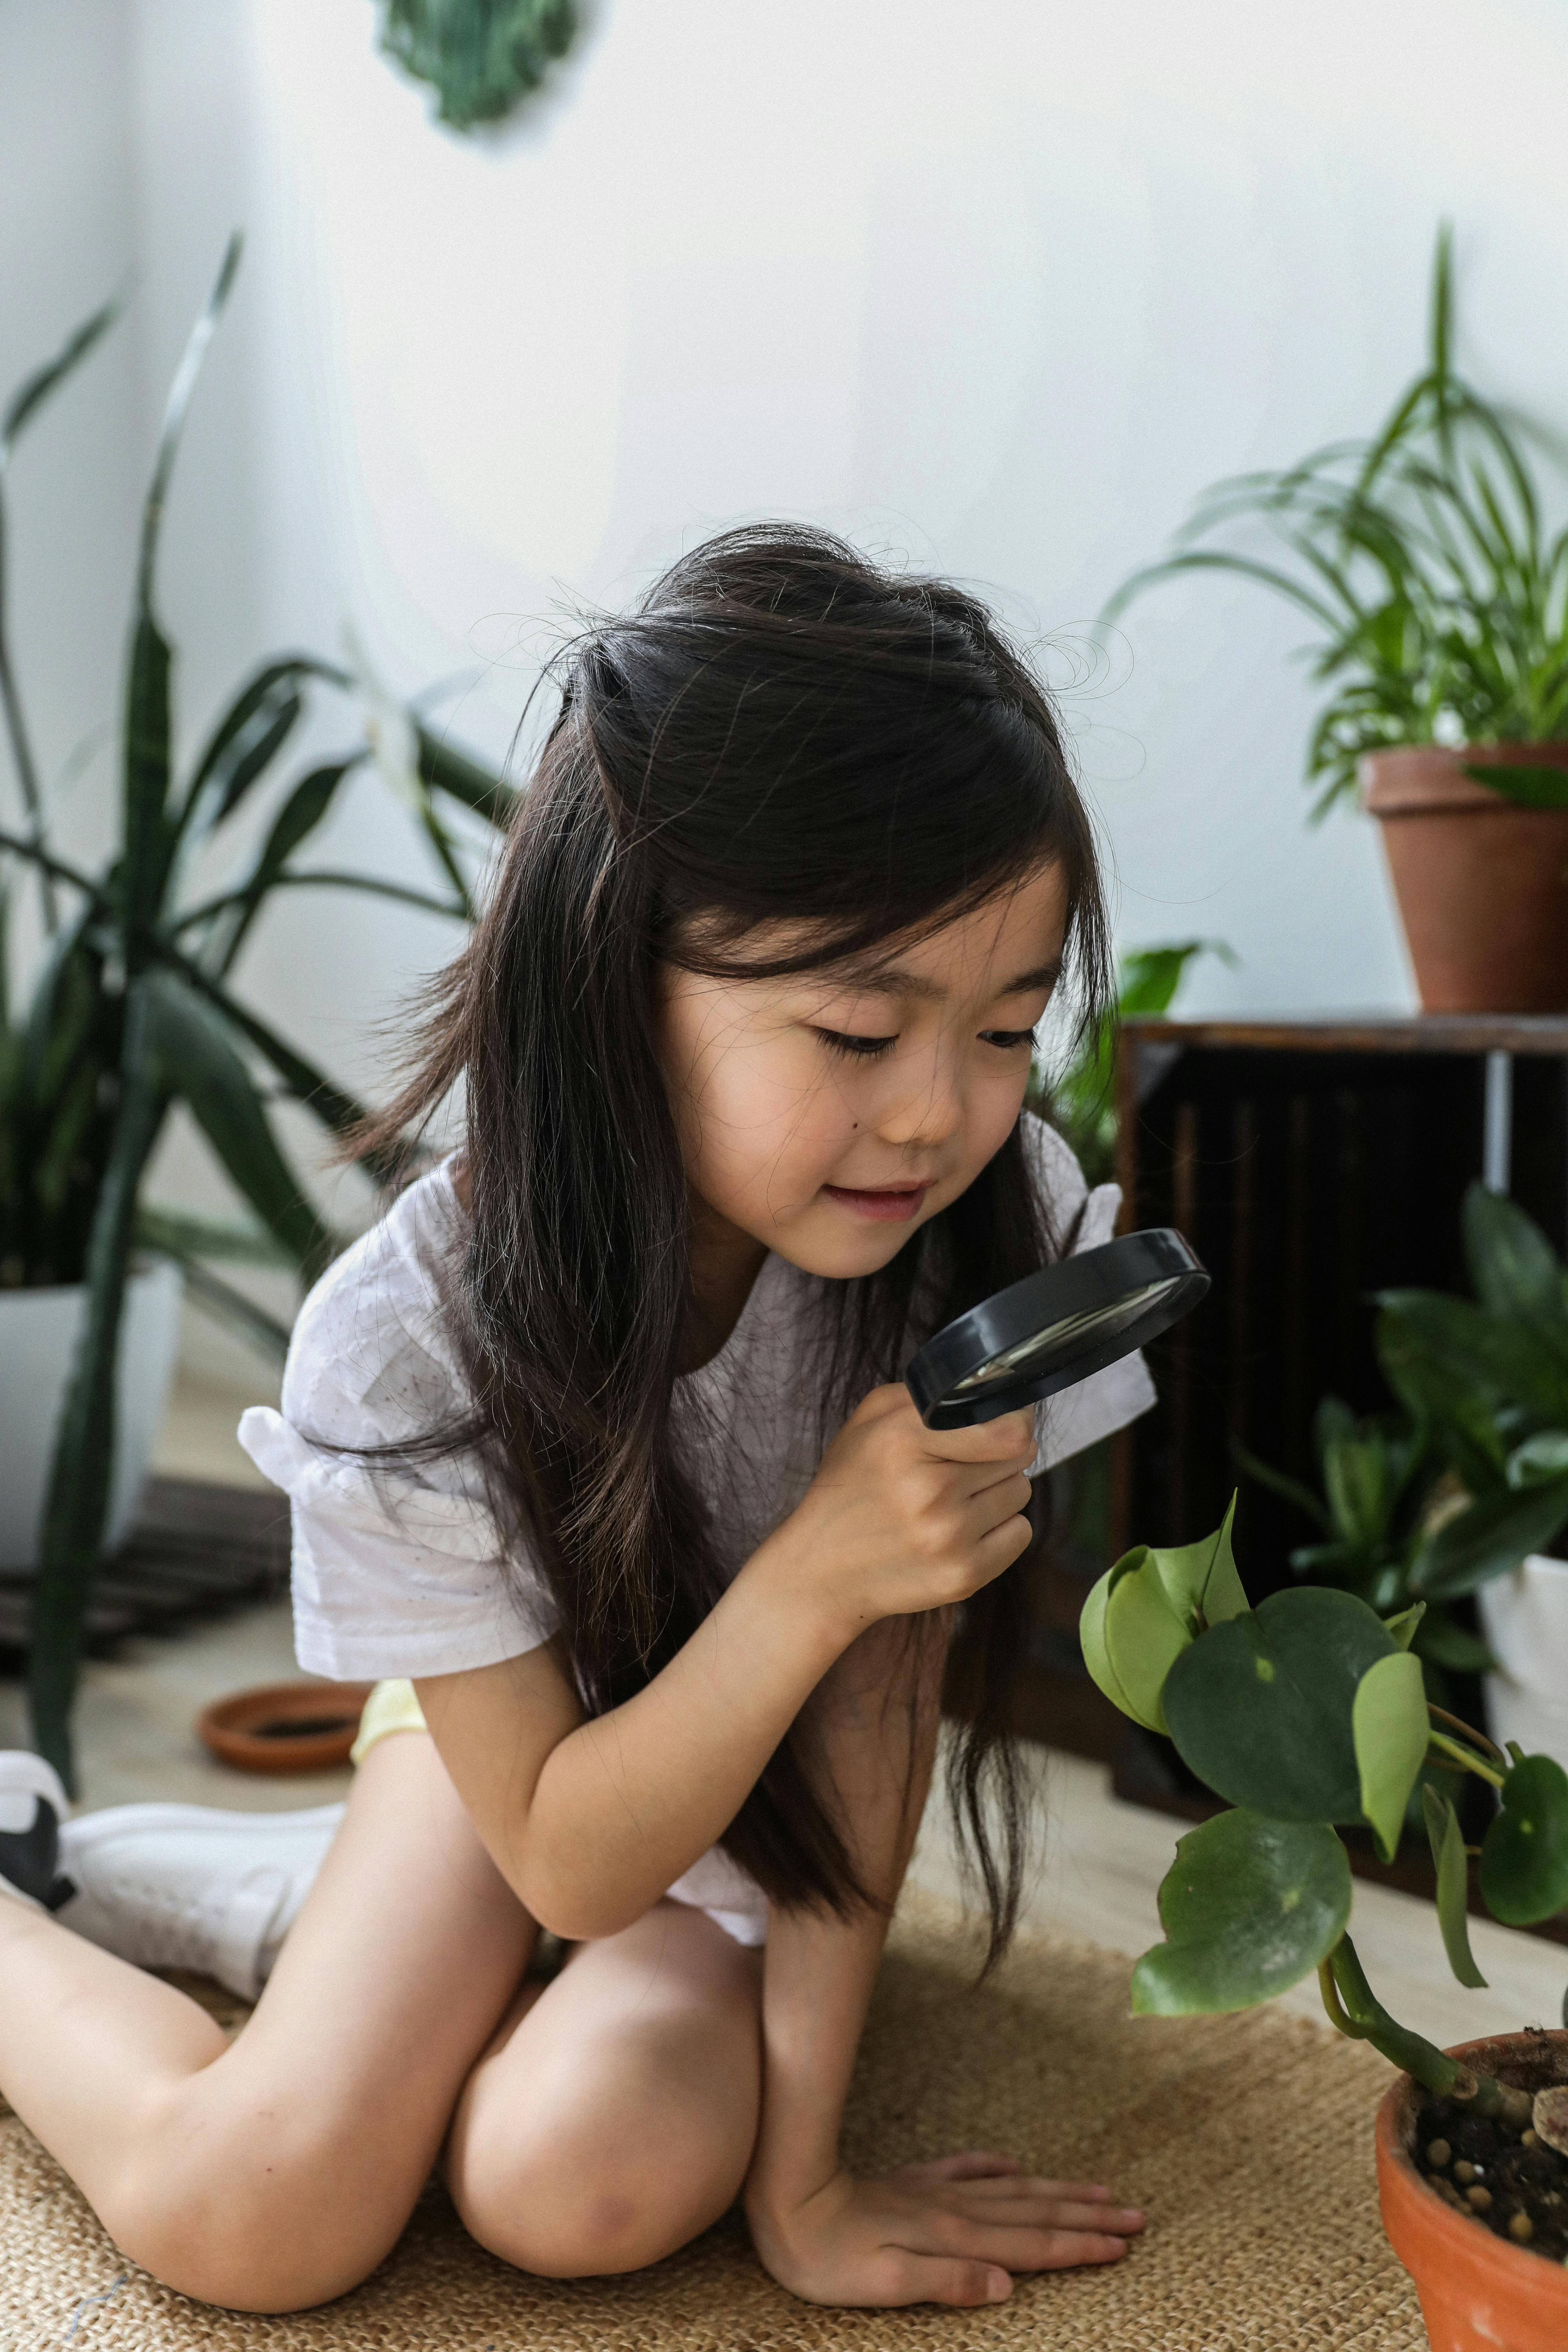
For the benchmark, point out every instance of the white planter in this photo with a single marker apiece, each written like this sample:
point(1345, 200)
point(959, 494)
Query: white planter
point(38, 1339)
point(1524, 1617)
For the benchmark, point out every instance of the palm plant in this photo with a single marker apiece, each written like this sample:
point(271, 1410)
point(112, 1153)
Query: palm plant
point(133, 1012)
point(1421, 557)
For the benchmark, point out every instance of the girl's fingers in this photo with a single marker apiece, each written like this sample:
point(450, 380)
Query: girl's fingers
point(928, 2278)
point(1033, 2211)
point(973, 2164)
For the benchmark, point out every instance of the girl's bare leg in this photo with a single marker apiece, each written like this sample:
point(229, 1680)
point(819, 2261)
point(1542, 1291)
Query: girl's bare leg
point(615, 2115)
point(276, 2173)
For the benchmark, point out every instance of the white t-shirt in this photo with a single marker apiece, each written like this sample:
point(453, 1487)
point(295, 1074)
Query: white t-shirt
point(401, 1569)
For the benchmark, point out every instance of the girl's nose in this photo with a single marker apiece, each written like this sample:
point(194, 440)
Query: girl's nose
point(928, 1110)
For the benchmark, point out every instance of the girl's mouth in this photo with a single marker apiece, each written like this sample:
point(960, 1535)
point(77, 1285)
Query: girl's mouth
point(897, 1202)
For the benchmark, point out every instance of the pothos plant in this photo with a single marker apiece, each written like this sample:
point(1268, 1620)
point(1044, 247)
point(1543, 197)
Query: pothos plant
point(134, 1011)
point(1308, 1715)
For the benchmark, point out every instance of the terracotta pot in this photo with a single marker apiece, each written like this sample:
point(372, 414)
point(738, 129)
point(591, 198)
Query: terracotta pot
point(1479, 2293)
point(285, 1726)
point(1482, 883)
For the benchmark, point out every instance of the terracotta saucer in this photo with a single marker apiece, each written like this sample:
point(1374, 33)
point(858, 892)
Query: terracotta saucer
point(284, 1727)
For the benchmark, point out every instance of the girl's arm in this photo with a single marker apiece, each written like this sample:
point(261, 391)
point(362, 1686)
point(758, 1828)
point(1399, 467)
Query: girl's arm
point(950, 2232)
point(590, 1822)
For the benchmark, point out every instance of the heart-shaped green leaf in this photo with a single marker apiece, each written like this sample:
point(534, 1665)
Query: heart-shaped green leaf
point(1447, 1840)
point(1389, 1727)
point(1524, 1855)
point(1261, 1707)
point(1130, 1634)
point(1250, 1906)
point(1200, 1580)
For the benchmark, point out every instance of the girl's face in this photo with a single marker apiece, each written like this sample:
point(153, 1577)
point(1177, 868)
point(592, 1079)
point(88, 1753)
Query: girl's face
point(828, 1114)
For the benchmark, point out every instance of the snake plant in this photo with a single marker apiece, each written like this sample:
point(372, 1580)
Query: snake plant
point(134, 1010)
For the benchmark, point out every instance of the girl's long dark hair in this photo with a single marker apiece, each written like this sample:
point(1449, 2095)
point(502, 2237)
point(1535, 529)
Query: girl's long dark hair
point(781, 730)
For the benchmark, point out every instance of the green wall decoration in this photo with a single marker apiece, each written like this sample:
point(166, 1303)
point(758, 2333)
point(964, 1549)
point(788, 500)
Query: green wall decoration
point(479, 56)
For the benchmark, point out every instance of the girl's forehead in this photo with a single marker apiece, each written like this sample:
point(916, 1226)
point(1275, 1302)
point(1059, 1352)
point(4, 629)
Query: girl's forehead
point(1011, 942)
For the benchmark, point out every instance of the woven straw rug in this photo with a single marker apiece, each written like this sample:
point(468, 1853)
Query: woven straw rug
point(1248, 2140)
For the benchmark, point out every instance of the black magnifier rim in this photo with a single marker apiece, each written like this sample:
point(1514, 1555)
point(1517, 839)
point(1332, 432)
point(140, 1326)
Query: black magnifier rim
point(1093, 1280)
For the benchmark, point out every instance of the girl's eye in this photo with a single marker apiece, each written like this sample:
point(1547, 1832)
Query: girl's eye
point(862, 1048)
point(1007, 1039)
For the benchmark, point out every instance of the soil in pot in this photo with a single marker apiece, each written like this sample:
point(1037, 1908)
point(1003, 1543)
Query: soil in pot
point(1510, 2182)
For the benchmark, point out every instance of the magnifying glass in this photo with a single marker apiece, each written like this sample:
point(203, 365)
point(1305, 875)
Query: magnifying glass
point(1054, 1329)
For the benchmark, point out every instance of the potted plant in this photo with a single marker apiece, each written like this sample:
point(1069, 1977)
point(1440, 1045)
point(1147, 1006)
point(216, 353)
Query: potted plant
point(132, 1011)
point(1305, 1714)
point(1439, 602)
point(1487, 1380)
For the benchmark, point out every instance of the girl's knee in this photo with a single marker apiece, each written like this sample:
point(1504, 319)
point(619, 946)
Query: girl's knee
point(275, 2231)
point(594, 2217)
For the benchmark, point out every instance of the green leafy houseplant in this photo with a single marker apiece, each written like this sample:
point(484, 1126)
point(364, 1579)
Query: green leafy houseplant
point(1080, 1101)
point(133, 1011)
point(1306, 1715)
point(1485, 1382)
point(1436, 593)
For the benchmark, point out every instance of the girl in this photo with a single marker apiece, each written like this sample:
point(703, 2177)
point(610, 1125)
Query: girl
point(599, 1457)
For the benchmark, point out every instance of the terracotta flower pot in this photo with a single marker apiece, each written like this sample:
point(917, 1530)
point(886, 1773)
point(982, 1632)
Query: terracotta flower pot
point(302, 1727)
point(1482, 883)
point(1479, 2293)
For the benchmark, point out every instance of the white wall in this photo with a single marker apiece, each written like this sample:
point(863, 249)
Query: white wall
point(66, 243)
point(999, 288)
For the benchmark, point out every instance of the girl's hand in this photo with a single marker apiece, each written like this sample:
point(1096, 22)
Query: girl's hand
point(900, 1518)
point(954, 2231)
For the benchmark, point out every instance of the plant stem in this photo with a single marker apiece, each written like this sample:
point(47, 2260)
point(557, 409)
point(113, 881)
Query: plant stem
point(1354, 2008)
point(1471, 1762)
point(1478, 1738)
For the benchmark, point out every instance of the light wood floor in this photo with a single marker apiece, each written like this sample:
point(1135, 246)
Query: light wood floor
point(1102, 1860)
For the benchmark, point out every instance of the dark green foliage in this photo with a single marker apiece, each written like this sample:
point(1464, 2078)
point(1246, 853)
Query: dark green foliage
point(1485, 1382)
point(131, 1013)
point(1260, 1709)
point(1524, 1857)
point(1081, 1102)
point(1248, 1908)
point(1437, 597)
point(479, 56)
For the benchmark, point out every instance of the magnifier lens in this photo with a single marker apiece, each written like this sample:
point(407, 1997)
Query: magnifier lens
point(1063, 1339)
point(1055, 1327)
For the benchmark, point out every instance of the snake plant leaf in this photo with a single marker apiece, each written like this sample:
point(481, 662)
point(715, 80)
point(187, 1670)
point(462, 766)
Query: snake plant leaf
point(147, 833)
point(1261, 1708)
point(1448, 1843)
point(1524, 1854)
point(1513, 1266)
point(34, 390)
point(178, 1234)
point(1250, 1906)
point(462, 780)
point(1489, 1538)
point(212, 791)
point(1130, 1633)
point(225, 1305)
point(1389, 1725)
point(77, 1502)
point(307, 804)
point(192, 1049)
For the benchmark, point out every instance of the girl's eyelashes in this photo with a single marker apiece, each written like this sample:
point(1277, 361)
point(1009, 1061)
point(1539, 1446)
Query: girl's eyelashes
point(862, 1048)
point(1007, 1041)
